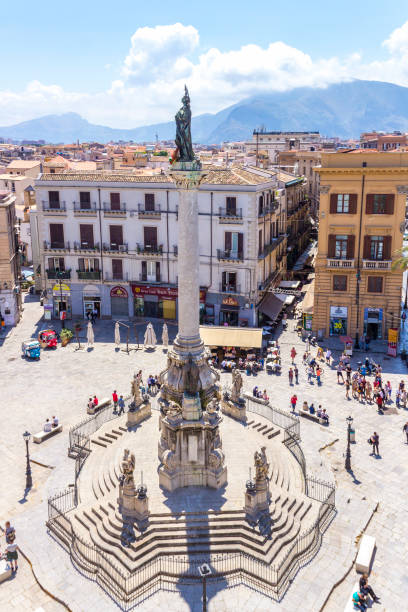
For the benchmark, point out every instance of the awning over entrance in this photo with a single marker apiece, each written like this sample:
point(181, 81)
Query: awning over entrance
point(308, 300)
point(289, 284)
point(243, 337)
point(271, 305)
point(307, 254)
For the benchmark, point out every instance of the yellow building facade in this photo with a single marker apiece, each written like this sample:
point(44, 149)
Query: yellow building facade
point(361, 226)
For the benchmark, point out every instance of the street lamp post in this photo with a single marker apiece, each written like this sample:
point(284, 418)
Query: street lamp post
point(204, 571)
point(347, 463)
point(29, 480)
point(60, 275)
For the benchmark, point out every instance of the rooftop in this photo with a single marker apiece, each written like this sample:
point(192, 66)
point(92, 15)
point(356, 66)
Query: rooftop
point(22, 163)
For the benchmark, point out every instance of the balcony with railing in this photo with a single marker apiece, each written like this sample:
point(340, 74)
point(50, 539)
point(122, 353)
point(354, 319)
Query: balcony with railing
point(228, 288)
point(268, 280)
point(148, 213)
point(114, 210)
point(89, 274)
point(58, 274)
point(268, 248)
point(113, 278)
point(293, 210)
point(146, 278)
point(56, 246)
point(85, 209)
point(115, 248)
point(149, 249)
point(340, 263)
point(230, 255)
point(85, 246)
point(372, 264)
point(54, 207)
point(230, 215)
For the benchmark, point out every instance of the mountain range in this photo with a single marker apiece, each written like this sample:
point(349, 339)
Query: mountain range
point(343, 109)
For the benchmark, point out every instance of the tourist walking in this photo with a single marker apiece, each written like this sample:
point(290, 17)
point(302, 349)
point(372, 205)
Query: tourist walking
point(115, 400)
point(12, 555)
point(318, 375)
point(328, 356)
point(388, 390)
point(398, 398)
point(293, 355)
point(405, 429)
point(293, 401)
point(348, 372)
point(296, 371)
point(348, 384)
point(290, 374)
point(340, 372)
point(375, 440)
point(121, 404)
point(404, 398)
point(309, 374)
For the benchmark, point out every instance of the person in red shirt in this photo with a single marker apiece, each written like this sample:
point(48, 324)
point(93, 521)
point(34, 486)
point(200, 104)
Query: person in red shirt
point(293, 401)
point(115, 400)
point(95, 400)
point(293, 354)
point(379, 402)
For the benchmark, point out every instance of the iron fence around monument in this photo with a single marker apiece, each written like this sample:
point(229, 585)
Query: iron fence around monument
point(284, 420)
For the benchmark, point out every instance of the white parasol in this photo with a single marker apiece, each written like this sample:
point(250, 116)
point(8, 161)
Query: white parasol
point(165, 335)
point(90, 334)
point(117, 333)
point(150, 336)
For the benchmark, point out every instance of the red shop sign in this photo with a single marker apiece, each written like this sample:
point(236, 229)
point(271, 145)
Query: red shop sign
point(163, 292)
point(118, 292)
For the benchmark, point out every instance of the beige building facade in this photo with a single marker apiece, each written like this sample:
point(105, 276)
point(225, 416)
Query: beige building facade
point(10, 296)
point(361, 226)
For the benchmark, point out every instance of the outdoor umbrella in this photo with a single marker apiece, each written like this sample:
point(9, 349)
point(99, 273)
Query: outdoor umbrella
point(117, 333)
point(90, 334)
point(165, 335)
point(150, 336)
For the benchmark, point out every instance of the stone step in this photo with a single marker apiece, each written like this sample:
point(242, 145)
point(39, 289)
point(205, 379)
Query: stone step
point(105, 439)
point(116, 432)
point(263, 427)
point(250, 422)
point(99, 443)
point(110, 435)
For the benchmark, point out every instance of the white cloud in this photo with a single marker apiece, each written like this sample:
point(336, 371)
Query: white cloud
point(161, 59)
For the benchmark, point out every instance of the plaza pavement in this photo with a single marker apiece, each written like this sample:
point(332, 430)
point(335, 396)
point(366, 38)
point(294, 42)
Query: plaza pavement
point(61, 382)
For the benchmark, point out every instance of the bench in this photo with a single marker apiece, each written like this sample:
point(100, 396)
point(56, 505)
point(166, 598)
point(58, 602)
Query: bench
point(5, 570)
point(365, 554)
point(44, 435)
point(106, 401)
point(350, 605)
point(312, 417)
point(260, 400)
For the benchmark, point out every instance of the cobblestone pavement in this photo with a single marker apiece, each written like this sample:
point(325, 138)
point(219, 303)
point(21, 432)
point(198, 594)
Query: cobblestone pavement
point(61, 382)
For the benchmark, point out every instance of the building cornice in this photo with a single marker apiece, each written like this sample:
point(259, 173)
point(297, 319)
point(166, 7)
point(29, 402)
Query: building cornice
point(361, 171)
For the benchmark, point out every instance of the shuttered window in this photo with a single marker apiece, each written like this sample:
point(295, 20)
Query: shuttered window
point(117, 269)
point(150, 237)
point(56, 263)
point(380, 204)
point(57, 235)
point(343, 203)
point(115, 201)
point(234, 244)
point(116, 235)
point(339, 282)
point(53, 199)
point(375, 284)
point(149, 201)
point(86, 236)
point(231, 204)
point(85, 200)
point(86, 264)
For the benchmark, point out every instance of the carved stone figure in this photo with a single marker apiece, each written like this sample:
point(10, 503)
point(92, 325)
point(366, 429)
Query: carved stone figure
point(173, 410)
point(127, 467)
point(169, 460)
point(191, 376)
point(135, 388)
point(212, 406)
point(216, 459)
point(183, 131)
point(261, 464)
point(236, 385)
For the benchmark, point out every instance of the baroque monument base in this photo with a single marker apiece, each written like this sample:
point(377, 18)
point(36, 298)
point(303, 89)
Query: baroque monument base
point(138, 413)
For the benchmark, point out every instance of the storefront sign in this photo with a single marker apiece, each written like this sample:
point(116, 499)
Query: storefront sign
point(119, 292)
point(167, 293)
point(375, 314)
point(230, 301)
point(64, 289)
point(392, 342)
point(338, 312)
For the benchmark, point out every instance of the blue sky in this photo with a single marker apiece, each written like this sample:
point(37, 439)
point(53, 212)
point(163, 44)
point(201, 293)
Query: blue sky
point(113, 64)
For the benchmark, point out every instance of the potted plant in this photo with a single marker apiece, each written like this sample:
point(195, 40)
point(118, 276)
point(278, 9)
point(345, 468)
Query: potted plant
point(65, 335)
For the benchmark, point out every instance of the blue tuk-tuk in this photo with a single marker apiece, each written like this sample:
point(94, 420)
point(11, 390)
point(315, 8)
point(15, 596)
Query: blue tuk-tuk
point(31, 349)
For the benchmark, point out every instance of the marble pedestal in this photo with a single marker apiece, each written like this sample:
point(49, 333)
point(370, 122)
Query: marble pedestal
point(190, 447)
point(138, 413)
point(134, 502)
point(236, 410)
point(257, 499)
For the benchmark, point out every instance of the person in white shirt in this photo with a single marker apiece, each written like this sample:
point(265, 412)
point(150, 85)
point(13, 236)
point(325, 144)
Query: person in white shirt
point(55, 421)
point(12, 555)
point(47, 425)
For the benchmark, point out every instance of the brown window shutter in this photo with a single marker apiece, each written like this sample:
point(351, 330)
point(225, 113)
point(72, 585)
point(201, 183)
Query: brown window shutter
point(158, 270)
point(387, 247)
point(333, 203)
point(51, 263)
point(149, 201)
point(81, 264)
point(224, 278)
point(367, 247)
point(96, 265)
point(389, 206)
point(350, 246)
point(115, 201)
point(353, 203)
point(57, 235)
point(331, 250)
point(86, 235)
point(240, 244)
point(228, 241)
point(144, 270)
point(370, 204)
point(117, 268)
point(61, 264)
point(116, 234)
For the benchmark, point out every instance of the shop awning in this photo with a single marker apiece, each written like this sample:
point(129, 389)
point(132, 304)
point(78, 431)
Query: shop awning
point(285, 298)
point(289, 284)
point(308, 300)
point(271, 305)
point(243, 337)
point(308, 253)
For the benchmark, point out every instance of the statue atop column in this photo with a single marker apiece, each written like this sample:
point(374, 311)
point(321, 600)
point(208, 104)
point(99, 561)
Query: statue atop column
point(184, 145)
point(261, 465)
point(127, 468)
point(135, 388)
point(236, 385)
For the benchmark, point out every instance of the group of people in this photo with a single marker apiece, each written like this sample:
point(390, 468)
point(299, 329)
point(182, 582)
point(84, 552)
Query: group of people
point(359, 598)
point(259, 394)
point(50, 424)
point(11, 553)
point(93, 402)
point(118, 402)
point(153, 385)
